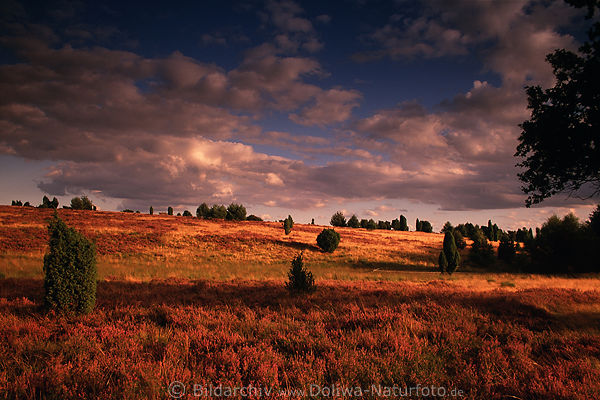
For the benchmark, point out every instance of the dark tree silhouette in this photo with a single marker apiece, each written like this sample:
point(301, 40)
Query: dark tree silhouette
point(559, 143)
point(338, 219)
point(353, 222)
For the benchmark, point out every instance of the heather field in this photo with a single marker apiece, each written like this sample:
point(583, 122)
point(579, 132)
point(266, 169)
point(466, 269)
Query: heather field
point(203, 303)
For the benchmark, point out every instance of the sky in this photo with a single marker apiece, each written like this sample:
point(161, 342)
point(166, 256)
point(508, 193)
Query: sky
point(375, 108)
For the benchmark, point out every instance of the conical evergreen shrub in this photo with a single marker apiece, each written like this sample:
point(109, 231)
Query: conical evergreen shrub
point(451, 252)
point(442, 262)
point(69, 270)
point(300, 278)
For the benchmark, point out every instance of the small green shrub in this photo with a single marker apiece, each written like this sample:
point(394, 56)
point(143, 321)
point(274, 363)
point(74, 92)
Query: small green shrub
point(328, 240)
point(151, 210)
point(287, 226)
point(300, 278)
point(253, 217)
point(170, 210)
point(186, 213)
point(69, 270)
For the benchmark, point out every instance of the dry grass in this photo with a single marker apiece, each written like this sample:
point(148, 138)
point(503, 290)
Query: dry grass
point(203, 302)
point(140, 247)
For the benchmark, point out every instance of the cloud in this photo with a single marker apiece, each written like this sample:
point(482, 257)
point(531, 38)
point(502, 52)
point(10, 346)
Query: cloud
point(176, 131)
point(285, 16)
point(294, 31)
point(460, 155)
point(323, 19)
point(331, 106)
point(210, 39)
point(512, 37)
point(410, 38)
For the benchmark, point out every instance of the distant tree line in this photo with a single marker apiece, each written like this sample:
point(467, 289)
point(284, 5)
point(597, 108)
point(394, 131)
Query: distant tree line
point(400, 224)
point(19, 203)
point(233, 212)
point(564, 246)
point(561, 245)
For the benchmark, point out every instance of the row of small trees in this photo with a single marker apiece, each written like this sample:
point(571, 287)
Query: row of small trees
point(400, 224)
point(233, 212)
point(77, 203)
point(561, 245)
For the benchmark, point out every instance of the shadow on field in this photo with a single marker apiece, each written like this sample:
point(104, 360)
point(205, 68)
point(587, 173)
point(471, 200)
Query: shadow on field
point(297, 245)
point(426, 301)
point(391, 266)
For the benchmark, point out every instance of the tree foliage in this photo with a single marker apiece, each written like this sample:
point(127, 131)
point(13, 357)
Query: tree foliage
point(338, 219)
point(203, 211)
point(425, 226)
point(507, 249)
point(565, 246)
point(447, 227)
point(287, 226)
point(594, 221)
point(69, 270)
point(451, 253)
point(353, 222)
point(300, 279)
point(218, 211)
point(46, 203)
point(403, 223)
point(371, 224)
point(328, 240)
point(482, 252)
point(170, 210)
point(81, 203)
point(236, 212)
point(560, 143)
point(442, 262)
point(459, 239)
